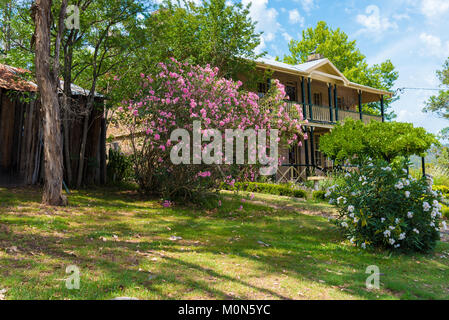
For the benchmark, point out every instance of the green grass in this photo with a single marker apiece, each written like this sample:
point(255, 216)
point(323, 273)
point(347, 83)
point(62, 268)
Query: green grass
point(121, 244)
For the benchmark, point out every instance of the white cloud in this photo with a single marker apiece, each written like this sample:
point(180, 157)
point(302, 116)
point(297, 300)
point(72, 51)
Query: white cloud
point(434, 45)
point(307, 5)
point(266, 19)
point(434, 8)
point(401, 16)
point(287, 37)
point(373, 22)
point(295, 17)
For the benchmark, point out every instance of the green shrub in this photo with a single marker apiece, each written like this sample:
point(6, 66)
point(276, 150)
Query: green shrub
point(120, 167)
point(267, 188)
point(380, 206)
point(443, 189)
point(319, 195)
point(445, 211)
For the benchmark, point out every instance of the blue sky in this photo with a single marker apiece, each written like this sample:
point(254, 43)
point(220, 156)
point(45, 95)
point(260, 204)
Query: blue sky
point(412, 33)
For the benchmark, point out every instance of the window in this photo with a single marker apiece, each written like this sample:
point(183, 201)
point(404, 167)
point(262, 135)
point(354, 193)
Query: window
point(341, 103)
point(317, 99)
point(262, 89)
point(290, 90)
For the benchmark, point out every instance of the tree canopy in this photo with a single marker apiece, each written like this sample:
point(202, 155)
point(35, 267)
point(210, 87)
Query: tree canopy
point(335, 45)
point(353, 141)
point(439, 104)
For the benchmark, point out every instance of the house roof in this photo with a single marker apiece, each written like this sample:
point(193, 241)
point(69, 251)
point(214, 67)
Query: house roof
point(12, 78)
point(321, 69)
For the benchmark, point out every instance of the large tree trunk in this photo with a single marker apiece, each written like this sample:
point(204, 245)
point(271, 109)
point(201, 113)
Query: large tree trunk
point(47, 80)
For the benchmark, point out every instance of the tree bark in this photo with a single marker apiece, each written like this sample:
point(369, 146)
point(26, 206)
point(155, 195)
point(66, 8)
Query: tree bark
point(47, 80)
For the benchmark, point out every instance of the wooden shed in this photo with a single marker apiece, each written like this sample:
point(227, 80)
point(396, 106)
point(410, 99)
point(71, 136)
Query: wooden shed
point(21, 133)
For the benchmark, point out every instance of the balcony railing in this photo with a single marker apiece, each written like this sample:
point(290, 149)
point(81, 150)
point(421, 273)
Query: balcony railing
point(329, 115)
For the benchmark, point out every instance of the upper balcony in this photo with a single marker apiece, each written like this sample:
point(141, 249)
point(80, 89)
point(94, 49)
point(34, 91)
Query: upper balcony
point(330, 115)
point(326, 96)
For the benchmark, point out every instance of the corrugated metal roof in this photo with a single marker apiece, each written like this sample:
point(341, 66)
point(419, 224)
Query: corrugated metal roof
point(309, 65)
point(307, 69)
point(12, 78)
point(78, 91)
point(303, 67)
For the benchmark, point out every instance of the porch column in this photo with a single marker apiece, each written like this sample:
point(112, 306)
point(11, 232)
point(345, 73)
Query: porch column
point(303, 99)
point(306, 149)
point(360, 105)
point(329, 91)
point(336, 102)
point(382, 111)
point(309, 93)
point(312, 147)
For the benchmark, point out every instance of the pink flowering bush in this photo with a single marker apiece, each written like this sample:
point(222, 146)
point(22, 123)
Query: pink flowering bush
point(381, 206)
point(178, 94)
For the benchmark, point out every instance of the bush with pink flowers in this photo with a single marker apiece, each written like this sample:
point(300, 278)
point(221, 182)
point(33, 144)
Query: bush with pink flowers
point(178, 94)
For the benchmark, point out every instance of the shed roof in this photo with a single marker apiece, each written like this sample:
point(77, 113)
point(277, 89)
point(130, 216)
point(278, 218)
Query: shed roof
point(12, 78)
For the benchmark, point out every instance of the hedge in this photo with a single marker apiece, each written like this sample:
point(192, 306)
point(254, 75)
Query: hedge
point(319, 195)
point(274, 189)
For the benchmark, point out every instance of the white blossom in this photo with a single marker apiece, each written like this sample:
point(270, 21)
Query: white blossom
point(402, 236)
point(363, 245)
point(391, 241)
point(341, 200)
point(351, 209)
point(426, 206)
point(416, 231)
point(387, 233)
point(407, 194)
point(344, 224)
point(410, 214)
point(399, 185)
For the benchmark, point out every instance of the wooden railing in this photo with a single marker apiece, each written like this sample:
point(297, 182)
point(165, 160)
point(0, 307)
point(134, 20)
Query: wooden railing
point(322, 114)
point(294, 173)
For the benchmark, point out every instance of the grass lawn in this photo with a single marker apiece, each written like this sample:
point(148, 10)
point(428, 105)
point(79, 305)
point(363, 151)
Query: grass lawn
point(125, 246)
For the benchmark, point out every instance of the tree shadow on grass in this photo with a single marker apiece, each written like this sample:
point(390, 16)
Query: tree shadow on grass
point(307, 249)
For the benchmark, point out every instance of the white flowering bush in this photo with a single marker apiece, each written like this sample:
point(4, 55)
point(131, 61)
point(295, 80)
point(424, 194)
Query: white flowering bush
point(381, 206)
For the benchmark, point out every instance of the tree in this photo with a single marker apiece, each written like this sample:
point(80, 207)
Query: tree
point(354, 141)
point(344, 54)
point(212, 32)
point(47, 75)
point(100, 46)
point(439, 104)
point(16, 30)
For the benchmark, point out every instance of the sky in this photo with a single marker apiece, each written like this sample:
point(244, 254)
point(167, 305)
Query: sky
point(413, 34)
